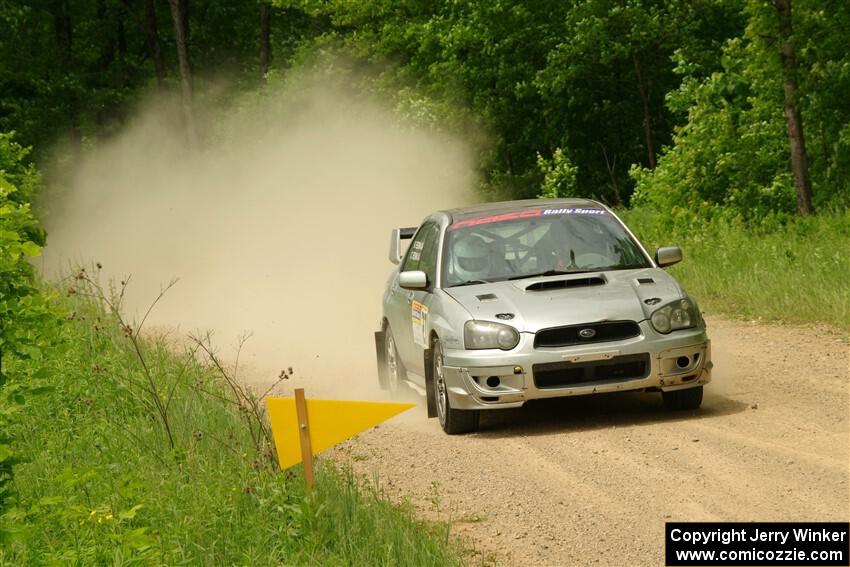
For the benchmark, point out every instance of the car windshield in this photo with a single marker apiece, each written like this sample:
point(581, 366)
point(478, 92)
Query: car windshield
point(537, 242)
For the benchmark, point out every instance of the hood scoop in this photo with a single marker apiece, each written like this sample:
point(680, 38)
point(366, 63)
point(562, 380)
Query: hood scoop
point(643, 281)
point(487, 297)
point(547, 285)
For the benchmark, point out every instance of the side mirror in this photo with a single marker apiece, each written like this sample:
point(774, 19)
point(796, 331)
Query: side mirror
point(413, 279)
point(668, 255)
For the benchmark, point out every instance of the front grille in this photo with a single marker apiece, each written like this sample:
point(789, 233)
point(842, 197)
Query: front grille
point(602, 332)
point(617, 369)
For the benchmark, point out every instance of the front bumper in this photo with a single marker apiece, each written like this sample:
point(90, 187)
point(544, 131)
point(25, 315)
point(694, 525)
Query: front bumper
point(494, 379)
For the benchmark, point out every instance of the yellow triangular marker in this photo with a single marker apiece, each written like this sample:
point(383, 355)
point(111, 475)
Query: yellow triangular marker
point(330, 422)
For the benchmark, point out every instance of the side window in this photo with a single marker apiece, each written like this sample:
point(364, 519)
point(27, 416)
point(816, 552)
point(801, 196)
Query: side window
point(428, 263)
point(414, 253)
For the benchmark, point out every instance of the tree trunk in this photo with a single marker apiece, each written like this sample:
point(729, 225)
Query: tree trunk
point(647, 117)
point(107, 47)
point(179, 15)
point(184, 19)
point(793, 119)
point(107, 55)
point(61, 10)
point(62, 27)
point(121, 35)
point(152, 42)
point(611, 166)
point(265, 43)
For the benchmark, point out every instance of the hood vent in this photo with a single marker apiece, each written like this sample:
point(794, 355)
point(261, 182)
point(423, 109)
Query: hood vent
point(487, 297)
point(645, 280)
point(564, 284)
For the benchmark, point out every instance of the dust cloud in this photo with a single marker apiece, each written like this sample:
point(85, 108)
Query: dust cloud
point(279, 226)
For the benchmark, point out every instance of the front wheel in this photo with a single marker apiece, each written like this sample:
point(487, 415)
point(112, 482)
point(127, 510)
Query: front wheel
point(452, 421)
point(683, 399)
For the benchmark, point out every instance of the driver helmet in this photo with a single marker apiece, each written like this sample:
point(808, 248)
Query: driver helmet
point(471, 258)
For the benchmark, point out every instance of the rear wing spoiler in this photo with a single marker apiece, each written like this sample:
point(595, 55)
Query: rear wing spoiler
point(396, 237)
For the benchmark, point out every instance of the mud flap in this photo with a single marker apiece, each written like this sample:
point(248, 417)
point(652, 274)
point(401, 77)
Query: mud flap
point(381, 353)
point(429, 383)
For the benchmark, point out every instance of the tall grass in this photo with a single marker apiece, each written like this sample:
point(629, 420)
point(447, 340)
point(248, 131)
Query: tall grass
point(103, 483)
point(793, 270)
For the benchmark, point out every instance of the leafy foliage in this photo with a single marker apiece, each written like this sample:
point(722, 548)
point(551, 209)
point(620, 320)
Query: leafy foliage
point(733, 149)
point(23, 310)
point(682, 100)
point(605, 81)
point(540, 76)
point(559, 176)
point(71, 72)
point(105, 484)
point(27, 319)
point(777, 268)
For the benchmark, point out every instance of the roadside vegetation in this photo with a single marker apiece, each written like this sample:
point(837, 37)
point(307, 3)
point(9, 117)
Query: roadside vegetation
point(28, 322)
point(787, 270)
point(134, 450)
point(118, 447)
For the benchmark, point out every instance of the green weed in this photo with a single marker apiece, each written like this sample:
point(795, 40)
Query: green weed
point(143, 454)
point(783, 269)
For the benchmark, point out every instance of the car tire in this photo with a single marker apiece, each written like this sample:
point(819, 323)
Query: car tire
point(453, 421)
point(394, 369)
point(678, 400)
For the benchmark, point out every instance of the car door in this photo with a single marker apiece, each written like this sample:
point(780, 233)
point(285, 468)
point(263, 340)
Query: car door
point(398, 303)
point(421, 302)
point(404, 312)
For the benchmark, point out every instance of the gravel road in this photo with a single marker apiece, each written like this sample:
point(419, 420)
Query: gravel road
point(592, 480)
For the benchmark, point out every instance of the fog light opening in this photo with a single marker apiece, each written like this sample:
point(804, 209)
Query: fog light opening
point(681, 362)
point(493, 381)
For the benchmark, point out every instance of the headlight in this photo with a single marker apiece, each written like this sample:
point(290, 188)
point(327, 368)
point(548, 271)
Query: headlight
point(681, 314)
point(485, 334)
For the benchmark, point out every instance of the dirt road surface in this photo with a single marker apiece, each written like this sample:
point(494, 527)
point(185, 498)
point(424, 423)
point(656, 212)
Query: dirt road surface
point(592, 480)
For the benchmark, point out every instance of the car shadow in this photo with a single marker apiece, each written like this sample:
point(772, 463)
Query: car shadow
point(598, 411)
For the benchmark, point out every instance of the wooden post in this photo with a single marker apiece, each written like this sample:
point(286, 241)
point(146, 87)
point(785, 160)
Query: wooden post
point(304, 433)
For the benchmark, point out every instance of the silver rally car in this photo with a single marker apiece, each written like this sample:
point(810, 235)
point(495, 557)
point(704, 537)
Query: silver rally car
point(496, 304)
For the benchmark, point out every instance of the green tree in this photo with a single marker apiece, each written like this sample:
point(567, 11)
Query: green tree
point(585, 76)
point(559, 176)
point(733, 149)
point(71, 71)
point(605, 81)
point(26, 316)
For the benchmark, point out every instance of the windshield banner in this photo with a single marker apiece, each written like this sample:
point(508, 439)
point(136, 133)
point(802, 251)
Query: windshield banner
point(526, 214)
